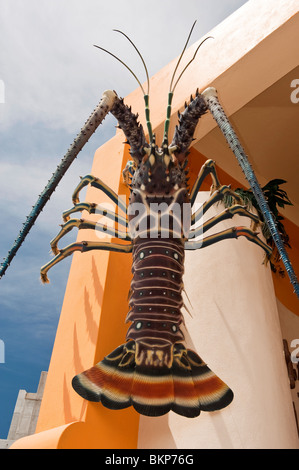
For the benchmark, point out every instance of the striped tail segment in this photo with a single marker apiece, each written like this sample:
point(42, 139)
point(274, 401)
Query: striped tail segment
point(154, 380)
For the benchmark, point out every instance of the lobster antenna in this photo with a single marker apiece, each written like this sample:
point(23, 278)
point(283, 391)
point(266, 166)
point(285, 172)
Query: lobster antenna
point(145, 95)
point(170, 94)
point(123, 63)
point(138, 52)
point(190, 61)
point(172, 87)
point(180, 58)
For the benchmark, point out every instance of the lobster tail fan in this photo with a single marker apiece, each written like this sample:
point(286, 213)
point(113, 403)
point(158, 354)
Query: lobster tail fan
point(213, 394)
point(109, 381)
point(153, 391)
point(196, 387)
point(186, 402)
point(154, 381)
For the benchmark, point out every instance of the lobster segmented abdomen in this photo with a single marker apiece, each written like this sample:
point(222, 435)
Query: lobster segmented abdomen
point(156, 289)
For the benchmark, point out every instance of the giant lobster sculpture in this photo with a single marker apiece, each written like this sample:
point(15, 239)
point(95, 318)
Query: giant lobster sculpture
point(153, 370)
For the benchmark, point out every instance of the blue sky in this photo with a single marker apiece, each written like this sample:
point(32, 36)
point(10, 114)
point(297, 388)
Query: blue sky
point(53, 78)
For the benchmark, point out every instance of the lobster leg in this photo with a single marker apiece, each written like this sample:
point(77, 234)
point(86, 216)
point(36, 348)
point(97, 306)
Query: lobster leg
point(97, 183)
point(217, 195)
point(86, 224)
point(233, 232)
point(82, 247)
point(226, 214)
point(93, 208)
point(208, 168)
